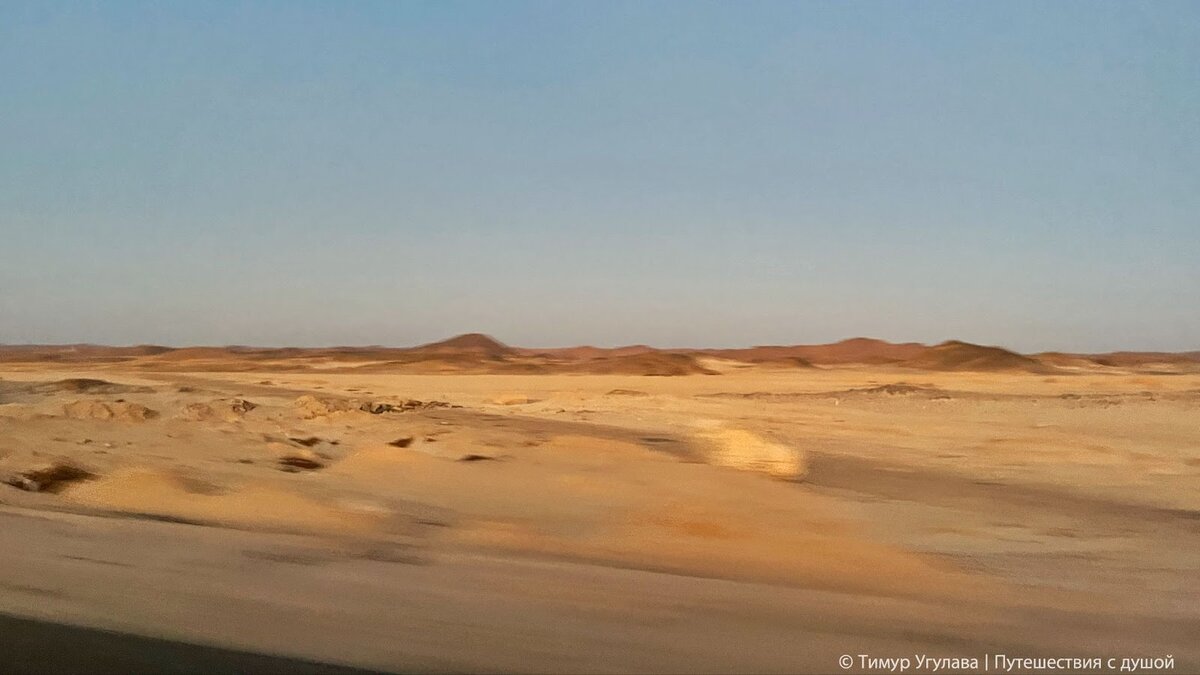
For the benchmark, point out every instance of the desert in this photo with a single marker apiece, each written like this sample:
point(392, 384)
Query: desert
point(471, 506)
point(599, 336)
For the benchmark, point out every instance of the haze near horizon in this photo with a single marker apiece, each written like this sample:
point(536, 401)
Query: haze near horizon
point(678, 174)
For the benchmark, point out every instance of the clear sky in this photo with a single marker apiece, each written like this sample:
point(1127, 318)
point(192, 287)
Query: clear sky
point(680, 174)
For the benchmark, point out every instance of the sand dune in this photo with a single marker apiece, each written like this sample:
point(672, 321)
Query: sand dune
point(156, 493)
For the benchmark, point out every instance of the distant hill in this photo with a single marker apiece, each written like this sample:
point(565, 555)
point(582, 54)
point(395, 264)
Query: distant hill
point(1062, 360)
point(469, 343)
point(77, 353)
point(1137, 359)
point(862, 350)
point(662, 364)
point(855, 350)
point(1140, 361)
point(955, 355)
point(477, 352)
point(589, 352)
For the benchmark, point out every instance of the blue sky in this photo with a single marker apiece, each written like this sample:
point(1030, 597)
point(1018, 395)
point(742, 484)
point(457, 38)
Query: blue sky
point(680, 174)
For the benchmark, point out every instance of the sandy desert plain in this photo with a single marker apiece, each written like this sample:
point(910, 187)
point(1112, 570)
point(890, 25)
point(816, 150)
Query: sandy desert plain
point(468, 506)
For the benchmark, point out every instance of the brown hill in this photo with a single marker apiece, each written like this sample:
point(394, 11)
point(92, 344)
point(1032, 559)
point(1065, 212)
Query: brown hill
point(854, 350)
point(764, 355)
point(862, 350)
point(588, 351)
point(955, 355)
point(782, 360)
point(76, 353)
point(1063, 360)
point(1175, 362)
point(196, 353)
point(470, 343)
point(1138, 359)
point(661, 364)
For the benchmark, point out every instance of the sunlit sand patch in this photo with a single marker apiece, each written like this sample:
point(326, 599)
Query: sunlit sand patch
point(745, 450)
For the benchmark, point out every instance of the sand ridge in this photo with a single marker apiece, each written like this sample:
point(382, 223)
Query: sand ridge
point(155, 493)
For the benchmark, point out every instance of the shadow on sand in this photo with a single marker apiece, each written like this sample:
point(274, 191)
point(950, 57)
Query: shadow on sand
point(30, 646)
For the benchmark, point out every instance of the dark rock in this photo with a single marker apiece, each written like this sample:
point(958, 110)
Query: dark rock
point(52, 479)
point(295, 462)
